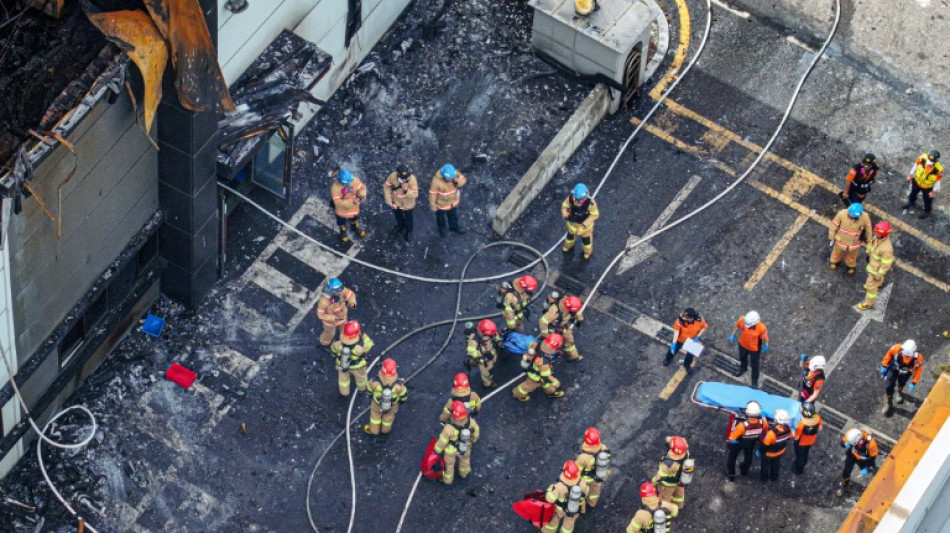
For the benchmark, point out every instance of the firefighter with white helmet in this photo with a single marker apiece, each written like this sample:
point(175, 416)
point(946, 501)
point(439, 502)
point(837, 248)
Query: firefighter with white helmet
point(774, 443)
point(813, 378)
point(901, 363)
point(743, 437)
point(388, 392)
point(860, 449)
point(654, 511)
point(753, 338)
point(594, 462)
point(456, 441)
point(880, 253)
point(675, 472)
point(350, 352)
point(568, 495)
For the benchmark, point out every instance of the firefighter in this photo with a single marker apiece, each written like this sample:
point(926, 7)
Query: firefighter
point(563, 318)
point(580, 212)
point(594, 461)
point(743, 438)
point(347, 193)
point(332, 307)
point(675, 472)
point(689, 325)
point(455, 443)
point(568, 502)
point(538, 367)
point(925, 177)
point(482, 349)
point(350, 351)
point(880, 253)
point(444, 198)
point(857, 184)
point(774, 443)
point(388, 392)
point(813, 378)
point(860, 449)
point(515, 298)
point(806, 433)
point(401, 190)
point(850, 227)
point(644, 518)
point(461, 392)
point(900, 363)
point(753, 339)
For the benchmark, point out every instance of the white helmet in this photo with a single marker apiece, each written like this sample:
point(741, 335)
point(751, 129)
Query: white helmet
point(781, 416)
point(752, 318)
point(909, 347)
point(853, 436)
point(817, 362)
point(753, 409)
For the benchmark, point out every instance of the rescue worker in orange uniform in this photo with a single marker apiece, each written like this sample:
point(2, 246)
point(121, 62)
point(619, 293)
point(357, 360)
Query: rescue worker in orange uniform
point(461, 392)
point(400, 191)
point(806, 433)
point(537, 362)
point(332, 308)
point(387, 392)
point(857, 184)
point(774, 443)
point(455, 443)
point(347, 193)
point(900, 363)
point(593, 461)
point(567, 507)
point(482, 349)
point(444, 199)
point(743, 437)
point(643, 519)
point(925, 177)
point(860, 449)
point(880, 253)
point(563, 319)
point(580, 212)
point(689, 325)
point(515, 298)
point(669, 477)
point(753, 339)
point(350, 351)
point(850, 227)
point(813, 378)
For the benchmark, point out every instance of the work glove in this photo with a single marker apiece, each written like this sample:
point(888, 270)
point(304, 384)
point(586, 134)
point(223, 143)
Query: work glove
point(673, 352)
point(765, 348)
point(803, 357)
point(883, 372)
point(912, 387)
point(847, 446)
point(732, 338)
point(864, 472)
point(697, 337)
point(758, 453)
point(734, 441)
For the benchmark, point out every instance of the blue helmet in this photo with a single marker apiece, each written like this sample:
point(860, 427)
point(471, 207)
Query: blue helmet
point(335, 285)
point(345, 177)
point(855, 210)
point(448, 171)
point(580, 192)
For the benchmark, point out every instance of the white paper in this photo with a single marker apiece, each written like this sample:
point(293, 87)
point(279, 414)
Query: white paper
point(693, 347)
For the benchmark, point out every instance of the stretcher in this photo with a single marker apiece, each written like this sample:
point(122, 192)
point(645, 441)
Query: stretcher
point(733, 399)
point(534, 508)
point(432, 464)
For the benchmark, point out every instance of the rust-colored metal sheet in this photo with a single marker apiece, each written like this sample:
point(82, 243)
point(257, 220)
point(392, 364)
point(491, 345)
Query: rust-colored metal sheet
point(198, 80)
point(136, 34)
point(53, 8)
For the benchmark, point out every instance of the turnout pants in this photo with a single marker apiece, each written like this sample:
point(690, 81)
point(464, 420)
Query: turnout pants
point(484, 370)
point(872, 285)
point(330, 331)
point(380, 421)
point(560, 522)
point(850, 256)
point(801, 458)
point(529, 385)
point(675, 494)
point(570, 349)
point(464, 461)
point(587, 238)
point(343, 379)
point(747, 447)
point(593, 494)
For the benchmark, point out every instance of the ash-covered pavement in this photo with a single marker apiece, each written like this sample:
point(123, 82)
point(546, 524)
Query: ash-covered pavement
point(464, 90)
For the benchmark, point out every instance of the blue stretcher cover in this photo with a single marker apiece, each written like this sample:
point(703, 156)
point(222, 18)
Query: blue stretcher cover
point(517, 343)
point(733, 398)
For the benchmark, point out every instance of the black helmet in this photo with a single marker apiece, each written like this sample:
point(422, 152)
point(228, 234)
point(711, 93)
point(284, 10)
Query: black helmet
point(690, 314)
point(403, 171)
point(934, 155)
point(869, 158)
point(808, 409)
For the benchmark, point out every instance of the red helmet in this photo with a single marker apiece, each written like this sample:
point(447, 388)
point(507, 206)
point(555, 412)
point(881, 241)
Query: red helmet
point(461, 381)
point(554, 341)
point(883, 228)
point(592, 437)
point(571, 472)
point(352, 328)
point(648, 490)
point(389, 368)
point(487, 328)
point(459, 411)
point(528, 283)
point(572, 303)
point(678, 445)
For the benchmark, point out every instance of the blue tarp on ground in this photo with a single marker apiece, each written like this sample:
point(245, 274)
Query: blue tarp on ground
point(735, 397)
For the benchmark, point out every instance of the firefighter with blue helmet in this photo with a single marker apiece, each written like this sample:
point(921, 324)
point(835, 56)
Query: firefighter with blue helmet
point(579, 211)
point(849, 229)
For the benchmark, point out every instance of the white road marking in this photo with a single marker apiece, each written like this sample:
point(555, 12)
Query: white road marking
point(876, 314)
point(637, 255)
point(734, 11)
point(236, 364)
point(794, 40)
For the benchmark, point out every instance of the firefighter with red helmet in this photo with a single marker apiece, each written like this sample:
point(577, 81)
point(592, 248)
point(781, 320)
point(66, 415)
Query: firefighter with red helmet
point(563, 318)
point(387, 392)
point(482, 349)
point(594, 462)
point(455, 443)
point(880, 254)
point(567, 495)
point(675, 472)
point(515, 298)
point(654, 509)
point(332, 307)
point(461, 392)
point(350, 352)
point(537, 362)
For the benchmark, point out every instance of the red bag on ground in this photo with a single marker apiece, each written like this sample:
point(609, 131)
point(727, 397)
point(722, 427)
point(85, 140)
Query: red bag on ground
point(180, 375)
point(432, 463)
point(534, 508)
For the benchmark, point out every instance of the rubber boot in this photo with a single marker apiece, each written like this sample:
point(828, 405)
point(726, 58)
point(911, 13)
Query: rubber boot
point(343, 236)
point(850, 271)
point(834, 266)
point(360, 232)
point(900, 396)
point(843, 484)
point(888, 405)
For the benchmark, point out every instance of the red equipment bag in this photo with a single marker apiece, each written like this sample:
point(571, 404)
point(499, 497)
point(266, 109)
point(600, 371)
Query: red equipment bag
point(432, 463)
point(180, 375)
point(534, 508)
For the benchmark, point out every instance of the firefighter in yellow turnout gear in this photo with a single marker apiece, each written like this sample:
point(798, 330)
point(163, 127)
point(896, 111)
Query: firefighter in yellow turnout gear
point(388, 392)
point(644, 518)
point(675, 472)
point(849, 229)
point(567, 495)
point(538, 368)
point(880, 260)
point(333, 307)
point(455, 443)
point(350, 352)
point(563, 318)
point(580, 212)
point(481, 349)
point(461, 392)
point(593, 461)
point(515, 298)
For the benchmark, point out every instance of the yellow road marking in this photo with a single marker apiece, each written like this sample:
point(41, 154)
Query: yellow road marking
point(680, 56)
point(776, 252)
point(674, 382)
